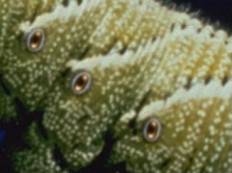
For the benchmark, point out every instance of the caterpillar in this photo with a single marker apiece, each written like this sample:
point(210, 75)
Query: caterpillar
point(98, 66)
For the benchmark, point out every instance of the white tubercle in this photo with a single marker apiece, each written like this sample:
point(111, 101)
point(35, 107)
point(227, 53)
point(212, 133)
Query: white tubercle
point(61, 13)
point(200, 91)
point(128, 116)
point(117, 59)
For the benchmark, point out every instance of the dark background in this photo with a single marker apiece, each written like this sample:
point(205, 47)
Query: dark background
point(211, 11)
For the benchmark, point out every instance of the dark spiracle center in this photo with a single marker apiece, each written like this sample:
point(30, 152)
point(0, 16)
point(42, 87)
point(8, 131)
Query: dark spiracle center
point(81, 83)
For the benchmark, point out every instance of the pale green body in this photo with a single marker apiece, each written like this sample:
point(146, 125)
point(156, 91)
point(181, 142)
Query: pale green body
point(137, 52)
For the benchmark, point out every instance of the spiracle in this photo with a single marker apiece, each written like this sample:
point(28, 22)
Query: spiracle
point(81, 82)
point(152, 130)
point(35, 40)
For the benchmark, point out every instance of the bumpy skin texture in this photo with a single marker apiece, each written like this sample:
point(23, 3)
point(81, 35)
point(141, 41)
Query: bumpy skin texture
point(72, 32)
point(14, 57)
point(196, 133)
point(191, 97)
point(7, 107)
point(39, 157)
point(91, 115)
point(137, 52)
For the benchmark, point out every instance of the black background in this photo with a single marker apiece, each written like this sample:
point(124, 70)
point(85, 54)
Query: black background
point(211, 10)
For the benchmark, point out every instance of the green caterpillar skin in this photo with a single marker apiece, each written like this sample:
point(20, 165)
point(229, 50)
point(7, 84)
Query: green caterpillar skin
point(191, 97)
point(11, 49)
point(7, 111)
point(71, 32)
point(196, 133)
point(137, 52)
point(85, 140)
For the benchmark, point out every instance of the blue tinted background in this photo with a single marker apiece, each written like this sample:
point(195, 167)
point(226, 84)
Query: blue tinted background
point(215, 10)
